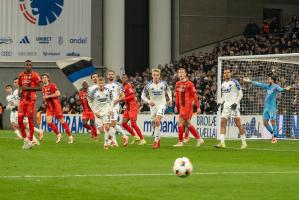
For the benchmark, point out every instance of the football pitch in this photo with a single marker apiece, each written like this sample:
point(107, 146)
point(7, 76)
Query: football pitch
point(84, 170)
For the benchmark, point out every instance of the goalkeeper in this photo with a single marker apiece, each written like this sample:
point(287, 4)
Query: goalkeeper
point(270, 105)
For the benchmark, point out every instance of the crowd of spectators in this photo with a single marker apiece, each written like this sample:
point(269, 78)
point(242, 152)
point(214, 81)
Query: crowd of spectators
point(202, 67)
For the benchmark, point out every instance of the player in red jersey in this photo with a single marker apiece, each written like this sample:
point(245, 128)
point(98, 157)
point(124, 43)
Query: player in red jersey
point(51, 94)
point(131, 111)
point(185, 96)
point(29, 82)
point(87, 114)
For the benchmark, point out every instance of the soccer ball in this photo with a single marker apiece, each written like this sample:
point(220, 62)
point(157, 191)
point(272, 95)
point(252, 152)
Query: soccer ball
point(182, 167)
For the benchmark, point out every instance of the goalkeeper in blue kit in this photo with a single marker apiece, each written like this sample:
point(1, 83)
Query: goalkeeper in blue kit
point(270, 105)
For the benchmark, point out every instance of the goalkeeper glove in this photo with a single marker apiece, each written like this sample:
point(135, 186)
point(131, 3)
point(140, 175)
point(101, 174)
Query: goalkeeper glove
point(234, 106)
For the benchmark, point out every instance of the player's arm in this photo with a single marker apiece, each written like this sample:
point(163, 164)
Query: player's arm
point(177, 100)
point(196, 101)
point(169, 94)
point(144, 96)
point(239, 95)
point(255, 83)
point(90, 99)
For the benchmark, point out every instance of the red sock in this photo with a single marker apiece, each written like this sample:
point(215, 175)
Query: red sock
point(31, 128)
point(181, 133)
point(137, 129)
point(194, 132)
point(22, 126)
point(186, 134)
point(87, 126)
point(67, 129)
point(94, 131)
point(54, 128)
point(128, 128)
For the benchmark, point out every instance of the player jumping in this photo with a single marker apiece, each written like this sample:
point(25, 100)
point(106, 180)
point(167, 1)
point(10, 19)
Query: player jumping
point(185, 96)
point(231, 97)
point(102, 106)
point(131, 112)
point(270, 105)
point(87, 114)
point(117, 94)
point(156, 91)
point(51, 94)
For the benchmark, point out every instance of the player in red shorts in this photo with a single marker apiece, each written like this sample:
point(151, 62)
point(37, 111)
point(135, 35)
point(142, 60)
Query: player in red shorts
point(185, 96)
point(51, 94)
point(87, 114)
point(131, 111)
point(29, 82)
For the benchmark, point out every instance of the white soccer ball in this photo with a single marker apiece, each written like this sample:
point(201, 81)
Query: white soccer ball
point(182, 167)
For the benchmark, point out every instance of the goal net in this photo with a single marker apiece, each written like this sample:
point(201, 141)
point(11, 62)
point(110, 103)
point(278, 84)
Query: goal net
point(285, 67)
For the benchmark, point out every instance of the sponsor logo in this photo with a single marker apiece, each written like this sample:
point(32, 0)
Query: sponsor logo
point(6, 53)
point(44, 40)
point(27, 53)
point(80, 40)
point(25, 40)
point(60, 40)
point(41, 12)
point(74, 54)
point(51, 53)
point(6, 40)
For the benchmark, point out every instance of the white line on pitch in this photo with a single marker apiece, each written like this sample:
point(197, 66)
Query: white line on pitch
point(265, 149)
point(136, 175)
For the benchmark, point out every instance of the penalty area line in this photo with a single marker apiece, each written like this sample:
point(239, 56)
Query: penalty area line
point(138, 175)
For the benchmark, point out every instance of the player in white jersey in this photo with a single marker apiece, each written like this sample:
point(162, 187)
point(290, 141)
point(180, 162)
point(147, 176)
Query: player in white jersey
point(231, 95)
point(13, 107)
point(117, 94)
point(17, 100)
point(102, 105)
point(154, 94)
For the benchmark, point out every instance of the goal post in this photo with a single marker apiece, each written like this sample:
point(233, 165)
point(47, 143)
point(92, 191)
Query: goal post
point(285, 67)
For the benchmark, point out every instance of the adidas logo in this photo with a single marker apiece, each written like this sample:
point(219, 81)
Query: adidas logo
point(25, 40)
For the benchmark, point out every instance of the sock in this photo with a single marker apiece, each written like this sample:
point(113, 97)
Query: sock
point(129, 129)
point(186, 134)
point(181, 133)
point(136, 128)
point(54, 128)
point(112, 132)
point(94, 131)
point(275, 130)
point(67, 129)
point(31, 128)
point(119, 129)
point(106, 137)
point(37, 130)
point(243, 138)
point(34, 139)
point(194, 132)
point(22, 125)
point(17, 132)
point(269, 128)
point(87, 126)
point(222, 137)
point(157, 133)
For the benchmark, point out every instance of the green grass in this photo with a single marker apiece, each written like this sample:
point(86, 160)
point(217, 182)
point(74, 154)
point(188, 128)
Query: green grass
point(86, 157)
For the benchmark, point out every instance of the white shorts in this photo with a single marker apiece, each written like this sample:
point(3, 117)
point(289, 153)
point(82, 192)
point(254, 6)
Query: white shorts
point(100, 121)
point(228, 112)
point(14, 117)
point(157, 111)
point(115, 115)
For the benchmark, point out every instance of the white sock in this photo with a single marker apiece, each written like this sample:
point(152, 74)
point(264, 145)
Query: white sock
point(112, 132)
point(34, 139)
point(17, 132)
point(36, 130)
point(106, 137)
point(243, 138)
point(222, 137)
point(157, 133)
point(119, 129)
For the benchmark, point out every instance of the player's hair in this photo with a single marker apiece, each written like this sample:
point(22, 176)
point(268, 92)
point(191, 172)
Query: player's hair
point(156, 70)
point(47, 75)
point(16, 79)
point(95, 73)
point(28, 61)
point(273, 77)
point(227, 69)
point(8, 85)
point(182, 68)
point(110, 70)
point(101, 79)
